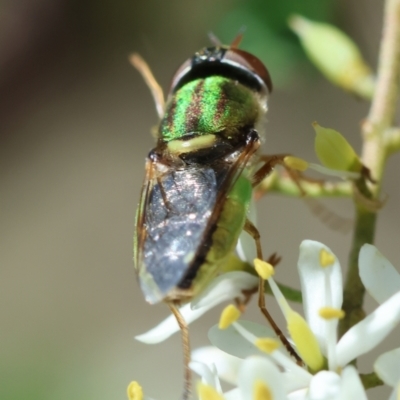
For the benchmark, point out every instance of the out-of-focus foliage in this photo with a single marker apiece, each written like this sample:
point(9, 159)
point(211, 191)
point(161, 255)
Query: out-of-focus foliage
point(268, 35)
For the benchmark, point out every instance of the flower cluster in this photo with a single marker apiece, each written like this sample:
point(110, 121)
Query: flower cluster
point(250, 357)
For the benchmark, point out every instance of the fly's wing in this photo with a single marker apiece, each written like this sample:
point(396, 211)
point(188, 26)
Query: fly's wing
point(178, 207)
point(172, 220)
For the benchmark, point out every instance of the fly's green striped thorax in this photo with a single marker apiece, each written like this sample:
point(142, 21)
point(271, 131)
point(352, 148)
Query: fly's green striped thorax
point(209, 105)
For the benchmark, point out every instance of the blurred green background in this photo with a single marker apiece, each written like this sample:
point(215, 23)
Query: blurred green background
point(75, 122)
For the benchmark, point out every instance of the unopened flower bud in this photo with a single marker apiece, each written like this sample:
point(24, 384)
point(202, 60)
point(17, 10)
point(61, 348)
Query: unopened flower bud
point(334, 151)
point(335, 55)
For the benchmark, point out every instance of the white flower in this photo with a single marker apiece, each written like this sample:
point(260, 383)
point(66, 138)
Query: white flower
point(226, 365)
point(387, 367)
point(321, 284)
point(315, 337)
point(256, 377)
point(225, 287)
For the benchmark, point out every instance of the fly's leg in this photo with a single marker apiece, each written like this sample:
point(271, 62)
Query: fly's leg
point(241, 304)
point(158, 96)
point(253, 232)
point(326, 216)
point(187, 385)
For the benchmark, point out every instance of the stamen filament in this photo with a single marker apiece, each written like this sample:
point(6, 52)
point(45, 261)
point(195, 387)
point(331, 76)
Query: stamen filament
point(282, 359)
point(334, 172)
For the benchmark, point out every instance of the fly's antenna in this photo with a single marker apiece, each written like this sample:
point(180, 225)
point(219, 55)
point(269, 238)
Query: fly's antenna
point(158, 95)
point(214, 39)
point(238, 38)
point(235, 42)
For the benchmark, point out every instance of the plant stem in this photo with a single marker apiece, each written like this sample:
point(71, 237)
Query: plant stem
point(276, 183)
point(374, 155)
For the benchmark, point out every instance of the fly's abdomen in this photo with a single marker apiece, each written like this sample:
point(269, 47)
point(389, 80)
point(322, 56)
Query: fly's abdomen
point(227, 230)
point(231, 220)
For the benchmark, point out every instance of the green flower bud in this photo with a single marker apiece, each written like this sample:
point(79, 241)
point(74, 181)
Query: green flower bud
point(335, 55)
point(334, 151)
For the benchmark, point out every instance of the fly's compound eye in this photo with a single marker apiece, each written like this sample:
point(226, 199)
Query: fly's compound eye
point(180, 72)
point(228, 62)
point(197, 66)
point(249, 62)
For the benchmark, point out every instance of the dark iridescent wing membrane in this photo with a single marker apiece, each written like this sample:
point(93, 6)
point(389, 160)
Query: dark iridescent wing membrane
point(178, 212)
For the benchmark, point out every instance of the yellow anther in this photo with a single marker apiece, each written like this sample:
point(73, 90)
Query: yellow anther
point(264, 270)
point(267, 345)
point(206, 392)
point(229, 315)
point(261, 391)
point(331, 313)
point(325, 258)
point(296, 163)
point(134, 391)
point(305, 341)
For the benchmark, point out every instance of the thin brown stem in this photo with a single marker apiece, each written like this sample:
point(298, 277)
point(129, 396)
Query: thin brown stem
point(253, 232)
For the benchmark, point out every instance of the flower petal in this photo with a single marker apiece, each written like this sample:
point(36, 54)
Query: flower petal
point(314, 279)
point(298, 394)
point(169, 326)
point(351, 385)
point(232, 342)
point(256, 369)
point(225, 287)
point(393, 395)
point(227, 366)
point(378, 275)
point(324, 386)
point(233, 394)
point(387, 366)
point(293, 381)
point(375, 327)
point(208, 374)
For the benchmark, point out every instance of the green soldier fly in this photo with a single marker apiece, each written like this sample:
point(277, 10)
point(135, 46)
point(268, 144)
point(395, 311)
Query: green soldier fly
point(200, 176)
